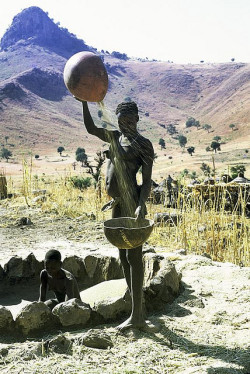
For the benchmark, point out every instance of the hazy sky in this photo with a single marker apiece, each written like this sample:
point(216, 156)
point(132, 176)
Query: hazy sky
point(182, 31)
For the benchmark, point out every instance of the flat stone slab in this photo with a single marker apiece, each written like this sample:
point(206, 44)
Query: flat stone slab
point(104, 291)
point(108, 299)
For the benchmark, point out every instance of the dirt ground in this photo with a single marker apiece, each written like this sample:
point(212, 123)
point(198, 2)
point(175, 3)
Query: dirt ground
point(205, 330)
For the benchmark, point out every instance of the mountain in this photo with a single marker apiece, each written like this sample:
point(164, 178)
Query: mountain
point(38, 113)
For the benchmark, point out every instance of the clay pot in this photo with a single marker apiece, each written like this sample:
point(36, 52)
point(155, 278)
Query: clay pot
point(85, 77)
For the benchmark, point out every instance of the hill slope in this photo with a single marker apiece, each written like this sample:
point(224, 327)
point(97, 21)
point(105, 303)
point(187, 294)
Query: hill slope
point(33, 54)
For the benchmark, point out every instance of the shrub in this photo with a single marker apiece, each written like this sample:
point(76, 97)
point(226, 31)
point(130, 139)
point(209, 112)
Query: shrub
point(236, 170)
point(81, 182)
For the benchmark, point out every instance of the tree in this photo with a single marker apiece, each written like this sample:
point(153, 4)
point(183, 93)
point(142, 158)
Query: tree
point(37, 156)
point(237, 169)
point(6, 139)
point(80, 150)
point(171, 129)
point(193, 175)
point(182, 140)
point(208, 149)
point(81, 157)
point(60, 150)
point(191, 150)
point(207, 127)
point(5, 153)
point(217, 138)
point(192, 122)
point(232, 126)
point(162, 143)
point(215, 146)
point(205, 168)
point(232, 59)
point(100, 114)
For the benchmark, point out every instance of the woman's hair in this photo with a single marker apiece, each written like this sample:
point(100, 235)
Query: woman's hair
point(129, 107)
point(53, 254)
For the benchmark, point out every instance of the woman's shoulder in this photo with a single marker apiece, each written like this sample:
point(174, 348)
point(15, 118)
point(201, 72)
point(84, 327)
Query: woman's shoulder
point(146, 144)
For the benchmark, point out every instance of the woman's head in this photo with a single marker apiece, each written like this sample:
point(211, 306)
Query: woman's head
point(127, 114)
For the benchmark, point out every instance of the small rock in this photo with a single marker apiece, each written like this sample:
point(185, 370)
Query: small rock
point(181, 251)
point(96, 339)
point(39, 199)
point(75, 266)
point(59, 344)
point(24, 221)
point(18, 269)
point(195, 303)
point(72, 312)
point(39, 192)
point(100, 268)
point(207, 255)
point(3, 351)
point(34, 317)
point(6, 319)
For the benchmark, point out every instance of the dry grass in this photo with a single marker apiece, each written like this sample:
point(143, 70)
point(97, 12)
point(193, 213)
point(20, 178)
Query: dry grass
point(203, 226)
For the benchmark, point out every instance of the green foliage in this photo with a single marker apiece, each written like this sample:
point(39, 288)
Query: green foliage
point(217, 138)
point(191, 150)
point(162, 143)
point(80, 150)
point(184, 173)
point(205, 168)
point(81, 182)
point(100, 114)
point(60, 150)
point(182, 140)
point(208, 149)
point(37, 156)
point(237, 169)
point(171, 129)
point(192, 122)
point(215, 146)
point(81, 157)
point(207, 127)
point(193, 175)
point(5, 153)
point(232, 126)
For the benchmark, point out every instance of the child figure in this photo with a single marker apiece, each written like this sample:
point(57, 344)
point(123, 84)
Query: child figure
point(57, 279)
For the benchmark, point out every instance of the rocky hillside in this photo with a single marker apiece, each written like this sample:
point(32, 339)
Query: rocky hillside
point(35, 27)
point(33, 54)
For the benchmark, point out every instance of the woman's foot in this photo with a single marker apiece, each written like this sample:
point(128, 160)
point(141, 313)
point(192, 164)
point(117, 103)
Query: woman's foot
point(132, 323)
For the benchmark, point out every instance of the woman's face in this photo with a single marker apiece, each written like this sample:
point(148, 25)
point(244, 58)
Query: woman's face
point(127, 122)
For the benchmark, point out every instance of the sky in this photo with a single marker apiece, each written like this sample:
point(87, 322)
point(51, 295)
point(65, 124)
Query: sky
point(182, 31)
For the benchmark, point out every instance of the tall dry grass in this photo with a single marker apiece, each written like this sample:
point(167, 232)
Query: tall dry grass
point(202, 226)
